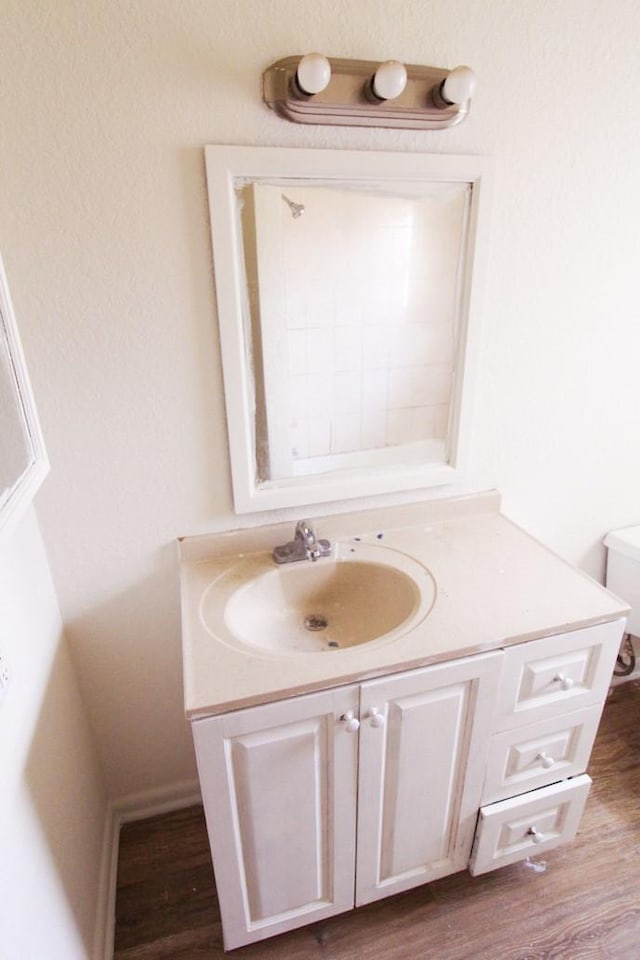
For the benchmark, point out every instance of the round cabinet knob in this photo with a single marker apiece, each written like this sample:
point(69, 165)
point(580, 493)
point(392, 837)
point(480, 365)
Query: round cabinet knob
point(565, 682)
point(535, 835)
point(375, 718)
point(546, 761)
point(350, 721)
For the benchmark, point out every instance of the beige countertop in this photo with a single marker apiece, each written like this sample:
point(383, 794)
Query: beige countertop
point(495, 586)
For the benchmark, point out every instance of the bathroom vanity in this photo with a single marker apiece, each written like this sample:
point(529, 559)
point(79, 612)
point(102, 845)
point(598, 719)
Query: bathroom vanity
point(339, 763)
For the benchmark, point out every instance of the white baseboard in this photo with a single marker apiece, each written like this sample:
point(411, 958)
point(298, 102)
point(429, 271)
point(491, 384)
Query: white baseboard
point(106, 913)
point(135, 806)
point(148, 803)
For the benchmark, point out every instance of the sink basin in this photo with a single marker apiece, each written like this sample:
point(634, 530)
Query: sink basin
point(363, 593)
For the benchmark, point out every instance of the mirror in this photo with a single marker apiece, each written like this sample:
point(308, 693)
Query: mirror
point(347, 289)
point(23, 462)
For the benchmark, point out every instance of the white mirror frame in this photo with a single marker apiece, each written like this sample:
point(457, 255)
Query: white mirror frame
point(225, 165)
point(22, 489)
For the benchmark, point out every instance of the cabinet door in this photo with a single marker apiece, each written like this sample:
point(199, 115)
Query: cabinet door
point(279, 790)
point(423, 744)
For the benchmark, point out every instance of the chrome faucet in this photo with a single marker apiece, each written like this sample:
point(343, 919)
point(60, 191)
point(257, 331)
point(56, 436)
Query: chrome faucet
point(304, 546)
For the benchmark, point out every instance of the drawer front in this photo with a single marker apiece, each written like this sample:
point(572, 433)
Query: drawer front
point(547, 677)
point(524, 826)
point(526, 758)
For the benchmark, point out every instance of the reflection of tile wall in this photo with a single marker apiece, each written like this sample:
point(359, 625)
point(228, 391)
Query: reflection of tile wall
point(369, 357)
point(365, 397)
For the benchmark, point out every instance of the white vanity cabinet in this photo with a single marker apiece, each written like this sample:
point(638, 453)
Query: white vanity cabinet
point(334, 778)
point(330, 800)
point(334, 799)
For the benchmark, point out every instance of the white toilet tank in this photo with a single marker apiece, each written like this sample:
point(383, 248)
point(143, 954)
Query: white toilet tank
point(623, 571)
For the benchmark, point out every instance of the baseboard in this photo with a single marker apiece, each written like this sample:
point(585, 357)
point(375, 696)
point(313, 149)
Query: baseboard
point(148, 803)
point(106, 913)
point(135, 806)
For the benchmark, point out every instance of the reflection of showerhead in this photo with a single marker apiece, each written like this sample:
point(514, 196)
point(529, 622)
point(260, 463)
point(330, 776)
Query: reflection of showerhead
point(297, 209)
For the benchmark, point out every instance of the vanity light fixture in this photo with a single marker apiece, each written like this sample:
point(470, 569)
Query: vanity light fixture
point(365, 93)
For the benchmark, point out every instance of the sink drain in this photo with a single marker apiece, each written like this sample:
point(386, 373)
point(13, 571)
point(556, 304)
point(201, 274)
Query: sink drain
point(316, 622)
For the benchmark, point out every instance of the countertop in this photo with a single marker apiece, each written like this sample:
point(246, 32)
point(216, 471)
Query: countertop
point(496, 586)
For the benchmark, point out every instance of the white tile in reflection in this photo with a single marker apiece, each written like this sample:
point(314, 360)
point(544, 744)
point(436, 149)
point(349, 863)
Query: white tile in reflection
point(376, 340)
point(346, 393)
point(298, 392)
point(441, 421)
point(374, 390)
point(400, 427)
point(319, 350)
point(316, 395)
point(319, 436)
point(373, 434)
point(346, 348)
point(409, 425)
point(346, 433)
point(348, 311)
point(299, 434)
point(419, 386)
point(297, 351)
point(439, 343)
point(421, 343)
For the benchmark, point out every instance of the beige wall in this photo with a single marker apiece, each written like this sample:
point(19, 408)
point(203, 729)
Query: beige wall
point(52, 796)
point(106, 105)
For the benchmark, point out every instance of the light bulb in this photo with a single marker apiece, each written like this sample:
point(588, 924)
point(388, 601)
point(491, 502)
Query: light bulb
point(313, 73)
point(459, 85)
point(389, 80)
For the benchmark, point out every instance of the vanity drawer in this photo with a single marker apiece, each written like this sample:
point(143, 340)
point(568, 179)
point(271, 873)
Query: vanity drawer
point(528, 825)
point(525, 758)
point(550, 676)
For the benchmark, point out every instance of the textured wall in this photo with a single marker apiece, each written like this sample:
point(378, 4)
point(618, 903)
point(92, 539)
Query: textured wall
point(52, 798)
point(103, 224)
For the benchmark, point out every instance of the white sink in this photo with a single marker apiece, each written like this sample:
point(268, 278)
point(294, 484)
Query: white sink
point(363, 593)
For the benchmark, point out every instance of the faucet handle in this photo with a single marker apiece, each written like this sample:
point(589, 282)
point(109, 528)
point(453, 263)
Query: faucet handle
point(304, 546)
point(304, 529)
point(324, 547)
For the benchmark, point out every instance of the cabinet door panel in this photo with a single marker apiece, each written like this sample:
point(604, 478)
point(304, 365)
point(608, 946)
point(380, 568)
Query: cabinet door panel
point(421, 772)
point(280, 782)
point(408, 841)
point(279, 790)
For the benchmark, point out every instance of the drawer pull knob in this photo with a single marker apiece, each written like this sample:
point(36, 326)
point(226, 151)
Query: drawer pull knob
point(351, 722)
point(375, 718)
point(565, 682)
point(535, 835)
point(546, 761)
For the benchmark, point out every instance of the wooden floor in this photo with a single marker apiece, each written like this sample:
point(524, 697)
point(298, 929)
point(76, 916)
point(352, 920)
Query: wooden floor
point(580, 902)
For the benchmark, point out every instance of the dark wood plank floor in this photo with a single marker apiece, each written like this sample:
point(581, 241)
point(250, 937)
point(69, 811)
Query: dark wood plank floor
point(582, 902)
